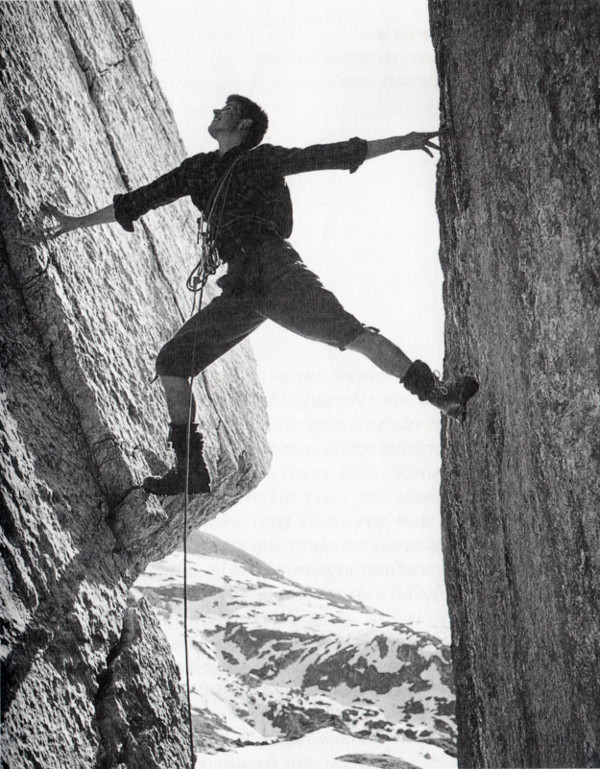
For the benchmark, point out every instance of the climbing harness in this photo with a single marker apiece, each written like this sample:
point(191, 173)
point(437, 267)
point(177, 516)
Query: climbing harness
point(207, 265)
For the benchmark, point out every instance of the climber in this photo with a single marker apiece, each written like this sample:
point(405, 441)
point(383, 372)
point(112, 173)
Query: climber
point(241, 190)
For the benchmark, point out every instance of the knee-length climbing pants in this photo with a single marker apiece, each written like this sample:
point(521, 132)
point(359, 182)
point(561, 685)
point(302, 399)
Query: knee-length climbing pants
point(266, 281)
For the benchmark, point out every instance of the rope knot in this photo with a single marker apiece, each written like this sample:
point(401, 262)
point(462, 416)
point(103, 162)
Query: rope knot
point(209, 258)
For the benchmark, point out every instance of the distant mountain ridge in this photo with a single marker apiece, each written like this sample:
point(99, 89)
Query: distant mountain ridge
point(273, 660)
point(201, 543)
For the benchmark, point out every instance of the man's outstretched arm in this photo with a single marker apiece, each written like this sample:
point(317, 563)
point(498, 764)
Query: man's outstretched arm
point(412, 141)
point(68, 223)
point(129, 206)
point(348, 155)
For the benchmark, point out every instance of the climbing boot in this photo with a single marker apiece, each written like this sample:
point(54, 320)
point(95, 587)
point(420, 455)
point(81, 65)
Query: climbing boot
point(173, 482)
point(449, 397)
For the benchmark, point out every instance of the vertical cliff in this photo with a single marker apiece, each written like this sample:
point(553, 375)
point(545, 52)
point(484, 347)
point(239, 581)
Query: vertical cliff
point(519, 204)
point(82, 117)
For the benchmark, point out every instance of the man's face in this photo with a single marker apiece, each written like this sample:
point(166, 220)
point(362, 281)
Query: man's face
point(225, 120)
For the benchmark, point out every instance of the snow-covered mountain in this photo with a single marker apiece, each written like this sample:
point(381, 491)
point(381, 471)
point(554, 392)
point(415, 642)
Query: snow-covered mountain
point(272, 660)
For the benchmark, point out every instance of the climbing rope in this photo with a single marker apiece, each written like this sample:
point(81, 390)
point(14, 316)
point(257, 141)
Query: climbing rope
point(206, 266)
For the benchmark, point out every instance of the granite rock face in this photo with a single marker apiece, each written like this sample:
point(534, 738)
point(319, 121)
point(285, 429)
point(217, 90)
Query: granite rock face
point(141, 712)
point(519, 203)
point(82, 117)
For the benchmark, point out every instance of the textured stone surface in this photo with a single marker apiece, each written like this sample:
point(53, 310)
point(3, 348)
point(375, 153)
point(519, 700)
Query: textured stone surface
point(519, 202)
point(82, 117)
point(63, 592)
point(141, 711)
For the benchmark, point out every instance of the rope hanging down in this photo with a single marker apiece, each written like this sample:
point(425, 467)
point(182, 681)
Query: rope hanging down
point(207, 265)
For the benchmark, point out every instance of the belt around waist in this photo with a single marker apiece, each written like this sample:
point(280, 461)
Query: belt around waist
point(233, 248)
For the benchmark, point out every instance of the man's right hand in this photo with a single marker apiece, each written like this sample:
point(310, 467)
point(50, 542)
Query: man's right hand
point(66, 223)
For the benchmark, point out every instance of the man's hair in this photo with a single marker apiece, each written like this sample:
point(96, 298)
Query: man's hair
point(258, 116)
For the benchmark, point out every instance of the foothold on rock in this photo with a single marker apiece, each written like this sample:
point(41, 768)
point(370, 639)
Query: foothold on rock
point(32, 125)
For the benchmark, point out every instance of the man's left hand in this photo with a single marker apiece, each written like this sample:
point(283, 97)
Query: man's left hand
point(419, 141)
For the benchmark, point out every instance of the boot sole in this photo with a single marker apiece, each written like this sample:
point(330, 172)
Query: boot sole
point(469, 388)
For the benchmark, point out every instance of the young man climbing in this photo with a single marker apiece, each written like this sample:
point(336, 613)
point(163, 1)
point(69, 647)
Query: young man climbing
point(241, 191)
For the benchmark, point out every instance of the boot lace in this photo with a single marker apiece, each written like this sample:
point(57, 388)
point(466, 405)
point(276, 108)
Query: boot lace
point(439, 387)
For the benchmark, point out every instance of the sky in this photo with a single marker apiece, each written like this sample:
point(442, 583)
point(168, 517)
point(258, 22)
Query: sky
point(352, 499)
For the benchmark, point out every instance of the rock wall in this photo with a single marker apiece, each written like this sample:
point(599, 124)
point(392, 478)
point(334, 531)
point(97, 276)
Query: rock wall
point(519, 205)
point(140, 708)
point(82, 117)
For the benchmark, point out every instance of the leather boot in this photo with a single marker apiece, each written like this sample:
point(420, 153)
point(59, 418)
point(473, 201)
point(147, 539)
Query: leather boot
point(173, 482)
point(449, 397)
